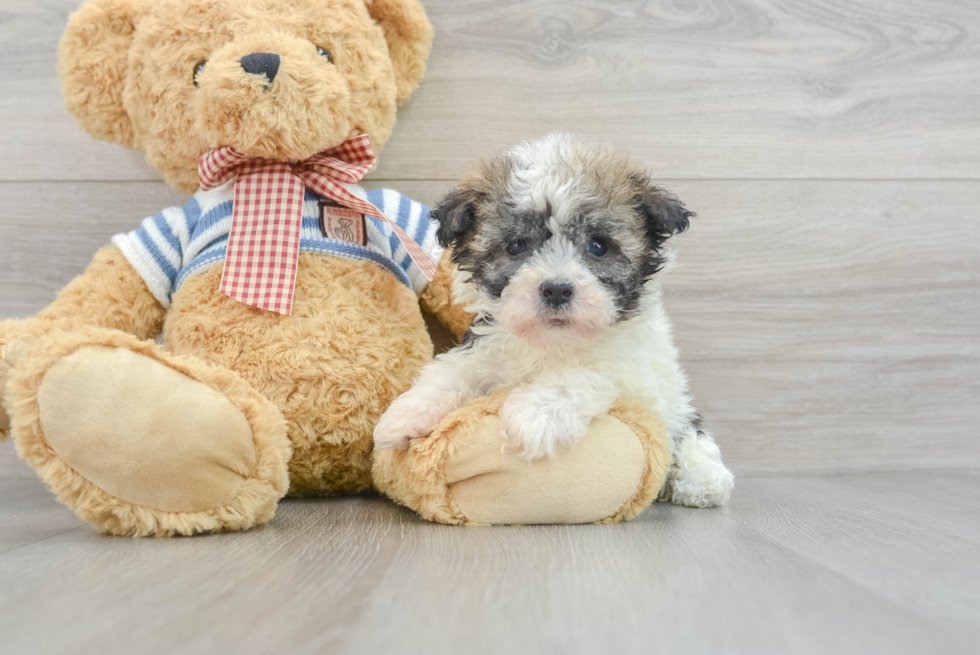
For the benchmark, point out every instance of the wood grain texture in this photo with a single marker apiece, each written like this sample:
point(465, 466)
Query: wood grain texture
point(875, 563)
point(826, 326)
point(11, 467)
point(826, 304)
point(48, 243)
point(697, 88)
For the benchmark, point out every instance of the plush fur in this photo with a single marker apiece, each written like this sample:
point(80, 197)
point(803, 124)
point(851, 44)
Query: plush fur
point(355, 339)
point(165, 77)
point(418, 478)
point(559, 244)
point(258, 494)
point(121, 61)
point(128, 307)
point(437, 298)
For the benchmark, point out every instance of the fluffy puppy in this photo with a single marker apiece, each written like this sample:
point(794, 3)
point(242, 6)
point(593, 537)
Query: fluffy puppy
point(559, 244)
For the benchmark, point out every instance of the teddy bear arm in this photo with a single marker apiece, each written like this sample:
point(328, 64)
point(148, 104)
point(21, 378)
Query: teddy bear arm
point(110, 294)
point(437, 299)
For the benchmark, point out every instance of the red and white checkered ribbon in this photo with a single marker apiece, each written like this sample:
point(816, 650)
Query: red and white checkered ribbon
point(263, 247)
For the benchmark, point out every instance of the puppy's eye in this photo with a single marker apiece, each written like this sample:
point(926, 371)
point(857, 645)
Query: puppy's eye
point(198, 69)
point(596, 247)
point(325, 54)
point(516, 247)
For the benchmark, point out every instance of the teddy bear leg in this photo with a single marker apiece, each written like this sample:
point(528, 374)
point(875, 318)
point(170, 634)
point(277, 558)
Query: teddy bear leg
point(460, 475)
point(139, 442)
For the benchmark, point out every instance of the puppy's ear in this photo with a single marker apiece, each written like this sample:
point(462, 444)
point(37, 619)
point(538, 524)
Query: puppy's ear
point(664, 214)
point(456, 215)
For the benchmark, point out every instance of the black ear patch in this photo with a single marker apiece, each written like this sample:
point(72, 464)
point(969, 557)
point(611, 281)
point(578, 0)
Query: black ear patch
point(664, 216)
point(456, 215)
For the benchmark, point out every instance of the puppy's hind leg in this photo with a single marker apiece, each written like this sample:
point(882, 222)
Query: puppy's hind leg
point(699, 478)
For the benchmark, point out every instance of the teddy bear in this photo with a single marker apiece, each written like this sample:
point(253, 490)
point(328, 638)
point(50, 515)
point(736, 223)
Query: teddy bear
point(242, 347)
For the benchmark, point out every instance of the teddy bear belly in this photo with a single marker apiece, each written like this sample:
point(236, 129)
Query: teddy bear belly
point(354, 341)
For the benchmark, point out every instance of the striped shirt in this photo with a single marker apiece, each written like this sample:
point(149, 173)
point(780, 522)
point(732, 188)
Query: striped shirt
point(183, 241)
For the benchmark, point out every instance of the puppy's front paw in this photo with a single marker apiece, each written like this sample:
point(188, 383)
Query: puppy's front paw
point(410, 416)
point(536, 422)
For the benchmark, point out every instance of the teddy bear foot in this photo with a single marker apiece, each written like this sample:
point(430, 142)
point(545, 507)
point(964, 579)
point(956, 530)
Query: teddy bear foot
point(139, 442)
point(460, 475)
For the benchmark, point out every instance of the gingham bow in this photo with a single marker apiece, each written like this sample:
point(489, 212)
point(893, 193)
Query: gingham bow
point(263, 247)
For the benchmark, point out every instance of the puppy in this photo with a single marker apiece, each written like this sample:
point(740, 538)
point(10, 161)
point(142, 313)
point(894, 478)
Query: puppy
point(559, 244)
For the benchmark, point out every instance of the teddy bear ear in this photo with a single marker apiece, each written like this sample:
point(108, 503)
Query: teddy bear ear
point(92, 62)
point(409, 36)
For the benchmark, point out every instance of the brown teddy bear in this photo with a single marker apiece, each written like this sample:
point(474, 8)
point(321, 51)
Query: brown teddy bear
point(287, 297)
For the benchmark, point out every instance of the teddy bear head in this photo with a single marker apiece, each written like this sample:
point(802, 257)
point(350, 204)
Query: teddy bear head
point(277, 79)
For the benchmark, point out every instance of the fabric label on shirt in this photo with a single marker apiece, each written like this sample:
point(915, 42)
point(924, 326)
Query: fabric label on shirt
point(342, 223)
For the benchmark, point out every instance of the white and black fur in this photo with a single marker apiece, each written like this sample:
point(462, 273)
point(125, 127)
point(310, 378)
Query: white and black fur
point(559, 244)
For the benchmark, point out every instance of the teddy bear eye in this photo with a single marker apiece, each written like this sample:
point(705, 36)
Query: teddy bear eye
point(325, 54)
point(198, 69)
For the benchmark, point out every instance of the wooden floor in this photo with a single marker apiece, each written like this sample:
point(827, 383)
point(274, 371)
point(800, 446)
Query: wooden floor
point(861, 563)
point(826, 304)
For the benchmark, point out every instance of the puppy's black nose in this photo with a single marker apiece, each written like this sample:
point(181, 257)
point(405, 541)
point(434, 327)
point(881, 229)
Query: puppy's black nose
point(556, 294)
point(261, 63)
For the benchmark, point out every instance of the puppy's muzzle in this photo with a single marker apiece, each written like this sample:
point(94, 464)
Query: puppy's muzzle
point(556, 294)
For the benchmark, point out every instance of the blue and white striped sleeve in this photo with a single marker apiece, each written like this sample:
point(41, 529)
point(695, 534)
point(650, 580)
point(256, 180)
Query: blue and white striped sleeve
point(413, 217)
point(157, 247)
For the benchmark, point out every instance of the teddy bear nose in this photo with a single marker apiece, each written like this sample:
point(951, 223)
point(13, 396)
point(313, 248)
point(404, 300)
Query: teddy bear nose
point(261, 63)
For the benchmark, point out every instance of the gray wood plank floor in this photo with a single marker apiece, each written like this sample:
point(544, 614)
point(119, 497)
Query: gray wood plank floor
point(826, 304)
point(869, 563)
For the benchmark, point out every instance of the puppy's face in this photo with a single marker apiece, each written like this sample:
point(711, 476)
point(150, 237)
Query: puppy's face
point(559, 237)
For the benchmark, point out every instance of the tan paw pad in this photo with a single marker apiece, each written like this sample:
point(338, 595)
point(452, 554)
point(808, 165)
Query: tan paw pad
point(100, 411)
